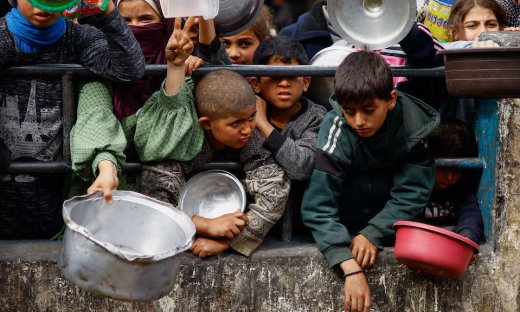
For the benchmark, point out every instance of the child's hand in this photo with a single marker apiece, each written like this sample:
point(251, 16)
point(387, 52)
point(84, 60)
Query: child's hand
point(357, 292)
point(261, 108)
point(106, 181)
point(364, 251)
point(512, 29)
point(227, 225)
point(484, 44)
point(192, 64)
point(262, 123)
point(204, 247)
point(179, 47)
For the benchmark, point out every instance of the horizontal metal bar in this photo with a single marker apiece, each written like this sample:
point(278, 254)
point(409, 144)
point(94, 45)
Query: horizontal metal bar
point(246, 70)
point(461, 163)
point(39, 167)
point(36, 167)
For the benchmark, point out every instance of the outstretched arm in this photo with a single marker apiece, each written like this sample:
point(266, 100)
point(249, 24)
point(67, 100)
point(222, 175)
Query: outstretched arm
point(97, 140)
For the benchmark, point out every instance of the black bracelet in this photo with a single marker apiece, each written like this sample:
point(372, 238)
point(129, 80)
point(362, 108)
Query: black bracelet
point(352, 273)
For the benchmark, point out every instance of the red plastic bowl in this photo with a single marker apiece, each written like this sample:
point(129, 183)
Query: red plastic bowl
point(432, 250)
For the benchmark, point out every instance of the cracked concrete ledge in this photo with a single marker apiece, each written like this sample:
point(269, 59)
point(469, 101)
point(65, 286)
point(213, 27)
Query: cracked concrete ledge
point(277, 277)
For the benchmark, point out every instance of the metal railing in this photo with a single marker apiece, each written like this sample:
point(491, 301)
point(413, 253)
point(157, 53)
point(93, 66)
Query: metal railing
point(70, 73)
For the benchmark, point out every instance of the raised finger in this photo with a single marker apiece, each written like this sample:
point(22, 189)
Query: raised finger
point(187, 24)
point(178, 23)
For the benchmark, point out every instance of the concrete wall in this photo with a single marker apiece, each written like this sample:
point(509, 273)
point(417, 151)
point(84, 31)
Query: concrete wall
point(295, 277)
point(278, 277)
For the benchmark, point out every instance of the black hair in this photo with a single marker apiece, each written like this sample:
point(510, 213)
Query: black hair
point(282, 48)
point(453, 137)
point(222, 93)
point(361, 78)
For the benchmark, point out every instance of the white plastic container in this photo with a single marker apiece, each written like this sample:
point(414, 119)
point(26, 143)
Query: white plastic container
point(184, 8)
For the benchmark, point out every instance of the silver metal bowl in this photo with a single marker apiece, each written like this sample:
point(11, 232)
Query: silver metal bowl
point(377, 24)
point(235, 16)
point(321, 88)
point(128, 250)
point(213, 193)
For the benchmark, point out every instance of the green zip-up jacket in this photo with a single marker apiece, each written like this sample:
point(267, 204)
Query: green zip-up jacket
point(364, 186)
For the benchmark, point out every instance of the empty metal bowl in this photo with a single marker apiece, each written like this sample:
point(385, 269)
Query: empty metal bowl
point(213, 193)
point(235, 16)
point(321, 88)
point(129, 250)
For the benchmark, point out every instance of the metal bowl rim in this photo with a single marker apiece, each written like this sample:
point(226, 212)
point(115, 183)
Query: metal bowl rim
point(244, 26)
point(225, 173)
point(331, 49)
point(69, 204)
point(331, 7)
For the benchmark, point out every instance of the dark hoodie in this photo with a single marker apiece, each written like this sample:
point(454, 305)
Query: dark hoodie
point(364, 186)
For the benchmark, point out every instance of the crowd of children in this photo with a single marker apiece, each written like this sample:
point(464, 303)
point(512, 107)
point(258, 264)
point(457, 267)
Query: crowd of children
point(361, 167)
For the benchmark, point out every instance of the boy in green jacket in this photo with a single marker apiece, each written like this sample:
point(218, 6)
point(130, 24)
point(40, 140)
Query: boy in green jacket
point(373, 168)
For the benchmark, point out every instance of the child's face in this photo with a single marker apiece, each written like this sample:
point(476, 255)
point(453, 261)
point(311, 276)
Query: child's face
point(477, 20)
point(138, 13)
point(367, 118)
point(233, 131)
point(241, 47)
point(281, 92)
point(36, 16)
point(446, 177)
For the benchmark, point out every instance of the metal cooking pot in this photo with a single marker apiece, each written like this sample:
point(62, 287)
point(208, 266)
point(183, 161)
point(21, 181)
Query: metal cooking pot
point(213, 193)
point(321, 88)
point(129, 250)
point(235, 16)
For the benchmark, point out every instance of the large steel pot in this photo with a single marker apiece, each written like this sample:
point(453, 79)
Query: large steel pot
point(235, 16)
point(129, 250)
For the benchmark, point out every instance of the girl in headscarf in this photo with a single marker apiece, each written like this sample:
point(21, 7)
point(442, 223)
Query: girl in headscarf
point(152, 31)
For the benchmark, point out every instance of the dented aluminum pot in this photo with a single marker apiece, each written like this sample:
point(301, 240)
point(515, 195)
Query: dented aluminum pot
point(129, 250)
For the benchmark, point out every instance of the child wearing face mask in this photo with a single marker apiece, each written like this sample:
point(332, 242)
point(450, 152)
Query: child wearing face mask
point(31, 107)
point(152, 30)
point(242, 47)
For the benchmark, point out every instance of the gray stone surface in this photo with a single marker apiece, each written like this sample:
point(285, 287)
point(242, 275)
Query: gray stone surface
point(278, 277)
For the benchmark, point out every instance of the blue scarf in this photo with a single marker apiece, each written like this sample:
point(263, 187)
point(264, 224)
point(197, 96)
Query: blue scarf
point(29, 37)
